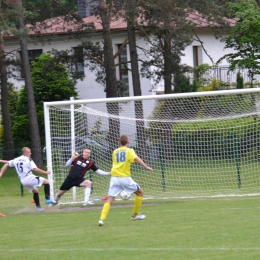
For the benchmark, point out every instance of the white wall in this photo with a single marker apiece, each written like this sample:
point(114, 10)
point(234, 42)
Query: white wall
point(213, 46)
point(90, 89)
point(87, 88)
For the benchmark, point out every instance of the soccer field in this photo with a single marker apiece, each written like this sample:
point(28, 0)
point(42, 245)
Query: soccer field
point(209, 228)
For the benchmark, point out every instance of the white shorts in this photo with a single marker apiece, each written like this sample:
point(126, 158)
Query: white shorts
point(117, 184)
point(31, 181)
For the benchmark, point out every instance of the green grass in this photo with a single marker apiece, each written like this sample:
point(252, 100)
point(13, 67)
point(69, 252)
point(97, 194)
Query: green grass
point(209, 228)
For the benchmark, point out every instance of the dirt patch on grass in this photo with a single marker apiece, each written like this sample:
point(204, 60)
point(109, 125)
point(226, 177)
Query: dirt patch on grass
point(74, 207)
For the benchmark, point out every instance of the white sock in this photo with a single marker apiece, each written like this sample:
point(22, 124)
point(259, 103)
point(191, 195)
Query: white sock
point(87, 194)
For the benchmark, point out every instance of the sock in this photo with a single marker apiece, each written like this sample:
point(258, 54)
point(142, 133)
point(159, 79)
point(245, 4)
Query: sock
point(56, 197)
point(105, 211)
point(87, 194)
point(137, 205)
point(47, 191)
point(36, 199)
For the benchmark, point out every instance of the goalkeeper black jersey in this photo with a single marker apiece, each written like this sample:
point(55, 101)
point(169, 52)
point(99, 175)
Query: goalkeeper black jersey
point(80, 166)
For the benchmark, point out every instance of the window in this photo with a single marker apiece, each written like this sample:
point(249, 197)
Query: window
point(79, 60)
point(33, 55)
point(123, 73)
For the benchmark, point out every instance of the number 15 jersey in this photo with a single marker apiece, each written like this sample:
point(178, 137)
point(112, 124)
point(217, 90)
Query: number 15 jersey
point(23, 165)
point(122, 159)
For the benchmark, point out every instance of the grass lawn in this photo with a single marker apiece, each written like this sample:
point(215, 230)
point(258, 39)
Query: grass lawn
point(202, 228)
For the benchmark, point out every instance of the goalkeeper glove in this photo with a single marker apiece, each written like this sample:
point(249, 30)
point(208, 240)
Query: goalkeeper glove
point(74, 155)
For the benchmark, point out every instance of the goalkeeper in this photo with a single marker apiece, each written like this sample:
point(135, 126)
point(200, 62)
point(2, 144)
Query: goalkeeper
point(121, 179)
point(80, 164)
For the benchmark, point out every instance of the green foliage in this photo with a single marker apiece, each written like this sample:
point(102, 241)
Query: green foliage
point(167, 41)
point(220, 106)
point(8, 18)
point(200, 124)
point(203, 75)
point(225, 85)
point(12, 101)
point(189, 137)
point(170, 110)
point(214, 85)
point(50, 83)
point(20, 131)
point(202, 69)
point(244, 37)
point(34, 9)
point(240, 81)
point(182, 84)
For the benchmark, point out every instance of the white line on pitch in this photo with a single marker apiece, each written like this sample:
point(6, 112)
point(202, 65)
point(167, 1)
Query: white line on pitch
point(135, 249)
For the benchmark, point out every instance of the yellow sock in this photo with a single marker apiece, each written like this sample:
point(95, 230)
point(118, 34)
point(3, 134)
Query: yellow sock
point(105, 211)
point(137, 205)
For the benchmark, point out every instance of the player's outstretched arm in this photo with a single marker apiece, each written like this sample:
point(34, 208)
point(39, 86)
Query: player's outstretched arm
point(3, 161)
point(3, 169)
point(73, 157)
point(141, 162)
point(98, 171)
point(38, 170)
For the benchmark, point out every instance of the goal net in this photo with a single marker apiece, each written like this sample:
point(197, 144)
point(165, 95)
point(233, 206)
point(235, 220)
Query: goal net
point(199, 144)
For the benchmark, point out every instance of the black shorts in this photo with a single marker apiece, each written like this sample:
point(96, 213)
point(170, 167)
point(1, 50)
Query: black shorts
point(70, 182)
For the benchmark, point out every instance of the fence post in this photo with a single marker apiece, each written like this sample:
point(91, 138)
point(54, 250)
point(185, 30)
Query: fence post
point(22, 190)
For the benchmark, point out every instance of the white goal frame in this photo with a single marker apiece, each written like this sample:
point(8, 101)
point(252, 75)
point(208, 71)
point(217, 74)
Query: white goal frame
point(72, 103)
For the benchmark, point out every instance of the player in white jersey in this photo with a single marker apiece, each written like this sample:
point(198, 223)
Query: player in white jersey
point(24, 166)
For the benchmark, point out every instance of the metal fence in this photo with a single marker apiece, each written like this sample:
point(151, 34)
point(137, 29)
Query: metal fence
point(222, 74)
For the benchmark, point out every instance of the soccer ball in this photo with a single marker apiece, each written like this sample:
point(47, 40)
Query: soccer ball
point(124, 195)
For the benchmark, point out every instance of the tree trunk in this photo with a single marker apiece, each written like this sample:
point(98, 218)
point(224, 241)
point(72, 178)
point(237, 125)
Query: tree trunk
point(139, 114)
point(110, 71)
point(167, 54)
point(34, 129)
point(8, 140)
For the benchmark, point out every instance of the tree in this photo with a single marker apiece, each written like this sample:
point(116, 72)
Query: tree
point(51, 83)
point(52, 8)
point(13, 21)
point(131, 18)
point(240, 81)
point(33, 122)
point(110, 71)
point(169, 29)
point(5, 26)
point(244, 37)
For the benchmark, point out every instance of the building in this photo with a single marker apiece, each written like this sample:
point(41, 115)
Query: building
point(88, 88)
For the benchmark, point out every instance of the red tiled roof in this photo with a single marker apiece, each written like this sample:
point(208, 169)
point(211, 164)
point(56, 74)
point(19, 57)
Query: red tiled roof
point(119, 24)
point(63, 25)
point(201, 22)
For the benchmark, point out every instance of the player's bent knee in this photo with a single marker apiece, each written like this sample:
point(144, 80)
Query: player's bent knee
point(140, 193)
point(46, 181)
point(86, 183)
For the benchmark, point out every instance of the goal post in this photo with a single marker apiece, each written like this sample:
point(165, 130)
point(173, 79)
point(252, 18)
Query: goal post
point(199, 144)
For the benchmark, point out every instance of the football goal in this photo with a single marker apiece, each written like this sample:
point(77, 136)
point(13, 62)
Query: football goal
point(199, 144)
